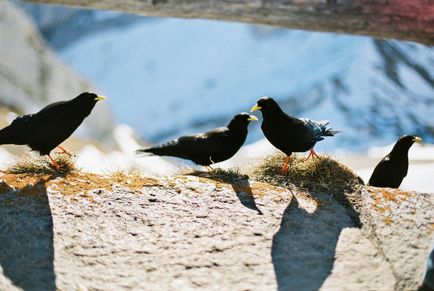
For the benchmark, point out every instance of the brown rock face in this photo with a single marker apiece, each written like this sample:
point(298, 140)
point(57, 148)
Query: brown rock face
point(119, 232)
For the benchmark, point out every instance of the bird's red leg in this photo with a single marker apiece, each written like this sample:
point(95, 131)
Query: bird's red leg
point(285, 165)
point(312, 153)
point(54, 163)
point(65, 151)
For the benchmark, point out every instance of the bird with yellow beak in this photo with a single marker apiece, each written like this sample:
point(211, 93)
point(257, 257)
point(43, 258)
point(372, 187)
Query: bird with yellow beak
point(392, 169)
point(288, 133)
point(48, 128)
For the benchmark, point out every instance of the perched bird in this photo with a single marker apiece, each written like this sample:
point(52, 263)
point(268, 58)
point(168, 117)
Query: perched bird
point(46, 129)
point(392, 169)
point(210, 147)
point(290, 134)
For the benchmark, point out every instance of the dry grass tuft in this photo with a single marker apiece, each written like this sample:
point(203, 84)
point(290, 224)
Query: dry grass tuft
point(29, 175)
point(322, 174)
point(42, 166)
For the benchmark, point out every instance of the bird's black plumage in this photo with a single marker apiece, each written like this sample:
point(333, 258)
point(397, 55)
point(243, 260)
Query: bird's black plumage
point(287, 133)
point(46, 129)
point(210, 147)
point(392, 169)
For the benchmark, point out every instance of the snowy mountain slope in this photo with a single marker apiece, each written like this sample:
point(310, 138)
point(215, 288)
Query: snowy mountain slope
point(172, 77)
point(220, 67)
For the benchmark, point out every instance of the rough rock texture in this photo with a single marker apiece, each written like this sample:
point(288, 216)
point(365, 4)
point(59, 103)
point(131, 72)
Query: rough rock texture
point(401, 224)
point(190, 232)
point(31, 76)
point(411, 20)
point(349, 272)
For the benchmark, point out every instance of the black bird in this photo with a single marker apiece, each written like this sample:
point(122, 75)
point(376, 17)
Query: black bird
point(48, 128)
point(392, 169)
point(207, 148)
point(290, 134)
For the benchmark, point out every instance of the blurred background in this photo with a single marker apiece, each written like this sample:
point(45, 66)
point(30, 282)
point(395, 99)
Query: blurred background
point(169, 77)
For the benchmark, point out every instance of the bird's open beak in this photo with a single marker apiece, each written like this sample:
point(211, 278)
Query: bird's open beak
point(100, 97)
point(256, 107)
point(417, 139)
point(252, 118)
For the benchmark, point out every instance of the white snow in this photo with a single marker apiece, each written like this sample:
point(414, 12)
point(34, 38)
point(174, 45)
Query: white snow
point(421, 152)
point(160, 76)
point(92, 160)
point(5, 158)
point(419, 177)
point(171, 77)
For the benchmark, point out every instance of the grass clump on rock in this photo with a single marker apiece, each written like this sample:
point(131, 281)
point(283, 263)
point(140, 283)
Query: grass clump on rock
point(320, 174)
point(33, 175)
point(42, 166)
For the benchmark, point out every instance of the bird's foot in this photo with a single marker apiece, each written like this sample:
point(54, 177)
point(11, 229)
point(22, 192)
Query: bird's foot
point(312, 154)
point(209, 169)
point(55, 164)
point(285, 166)
point(65, 151)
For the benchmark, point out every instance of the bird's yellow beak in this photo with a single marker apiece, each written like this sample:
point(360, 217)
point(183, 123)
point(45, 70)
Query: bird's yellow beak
point(252, 118)
point(256, 107)
point(417, 139)
point(100, 97)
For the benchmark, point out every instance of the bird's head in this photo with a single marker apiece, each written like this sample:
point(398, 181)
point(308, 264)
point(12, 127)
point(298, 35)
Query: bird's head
point(406, 141)
point(241, 120)
point(265, 104)
point(90, 98)
point(409, 139)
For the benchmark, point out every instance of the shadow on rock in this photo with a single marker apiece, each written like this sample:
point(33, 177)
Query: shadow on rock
point(26, 237)
point(303, 249)
point(245, 195)
point(240, 184)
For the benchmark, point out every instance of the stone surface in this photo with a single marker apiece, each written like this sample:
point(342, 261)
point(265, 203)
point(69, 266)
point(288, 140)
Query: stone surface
point(185, 233)
point(397, 19)
point(190, 232)
point(401, 224)
point(353, 251)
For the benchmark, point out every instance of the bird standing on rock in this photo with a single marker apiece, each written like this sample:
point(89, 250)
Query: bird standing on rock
point(290, 134)
point(48, 128)
point(210, 147)
point(392, 169)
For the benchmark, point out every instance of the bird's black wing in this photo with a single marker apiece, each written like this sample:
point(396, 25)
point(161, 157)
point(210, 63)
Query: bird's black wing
point(194, 147)
point(17, 132)
point(35, 128)
point(51, 112)
point(213, 141)
point(379, 176)
point(387, 174)
point(296, 129)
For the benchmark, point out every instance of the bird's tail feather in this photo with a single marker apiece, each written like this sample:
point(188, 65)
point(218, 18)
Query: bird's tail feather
point(162, 150)
point(6, 136)
point(145, 152)
point(331, 132)
point(15, 132)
